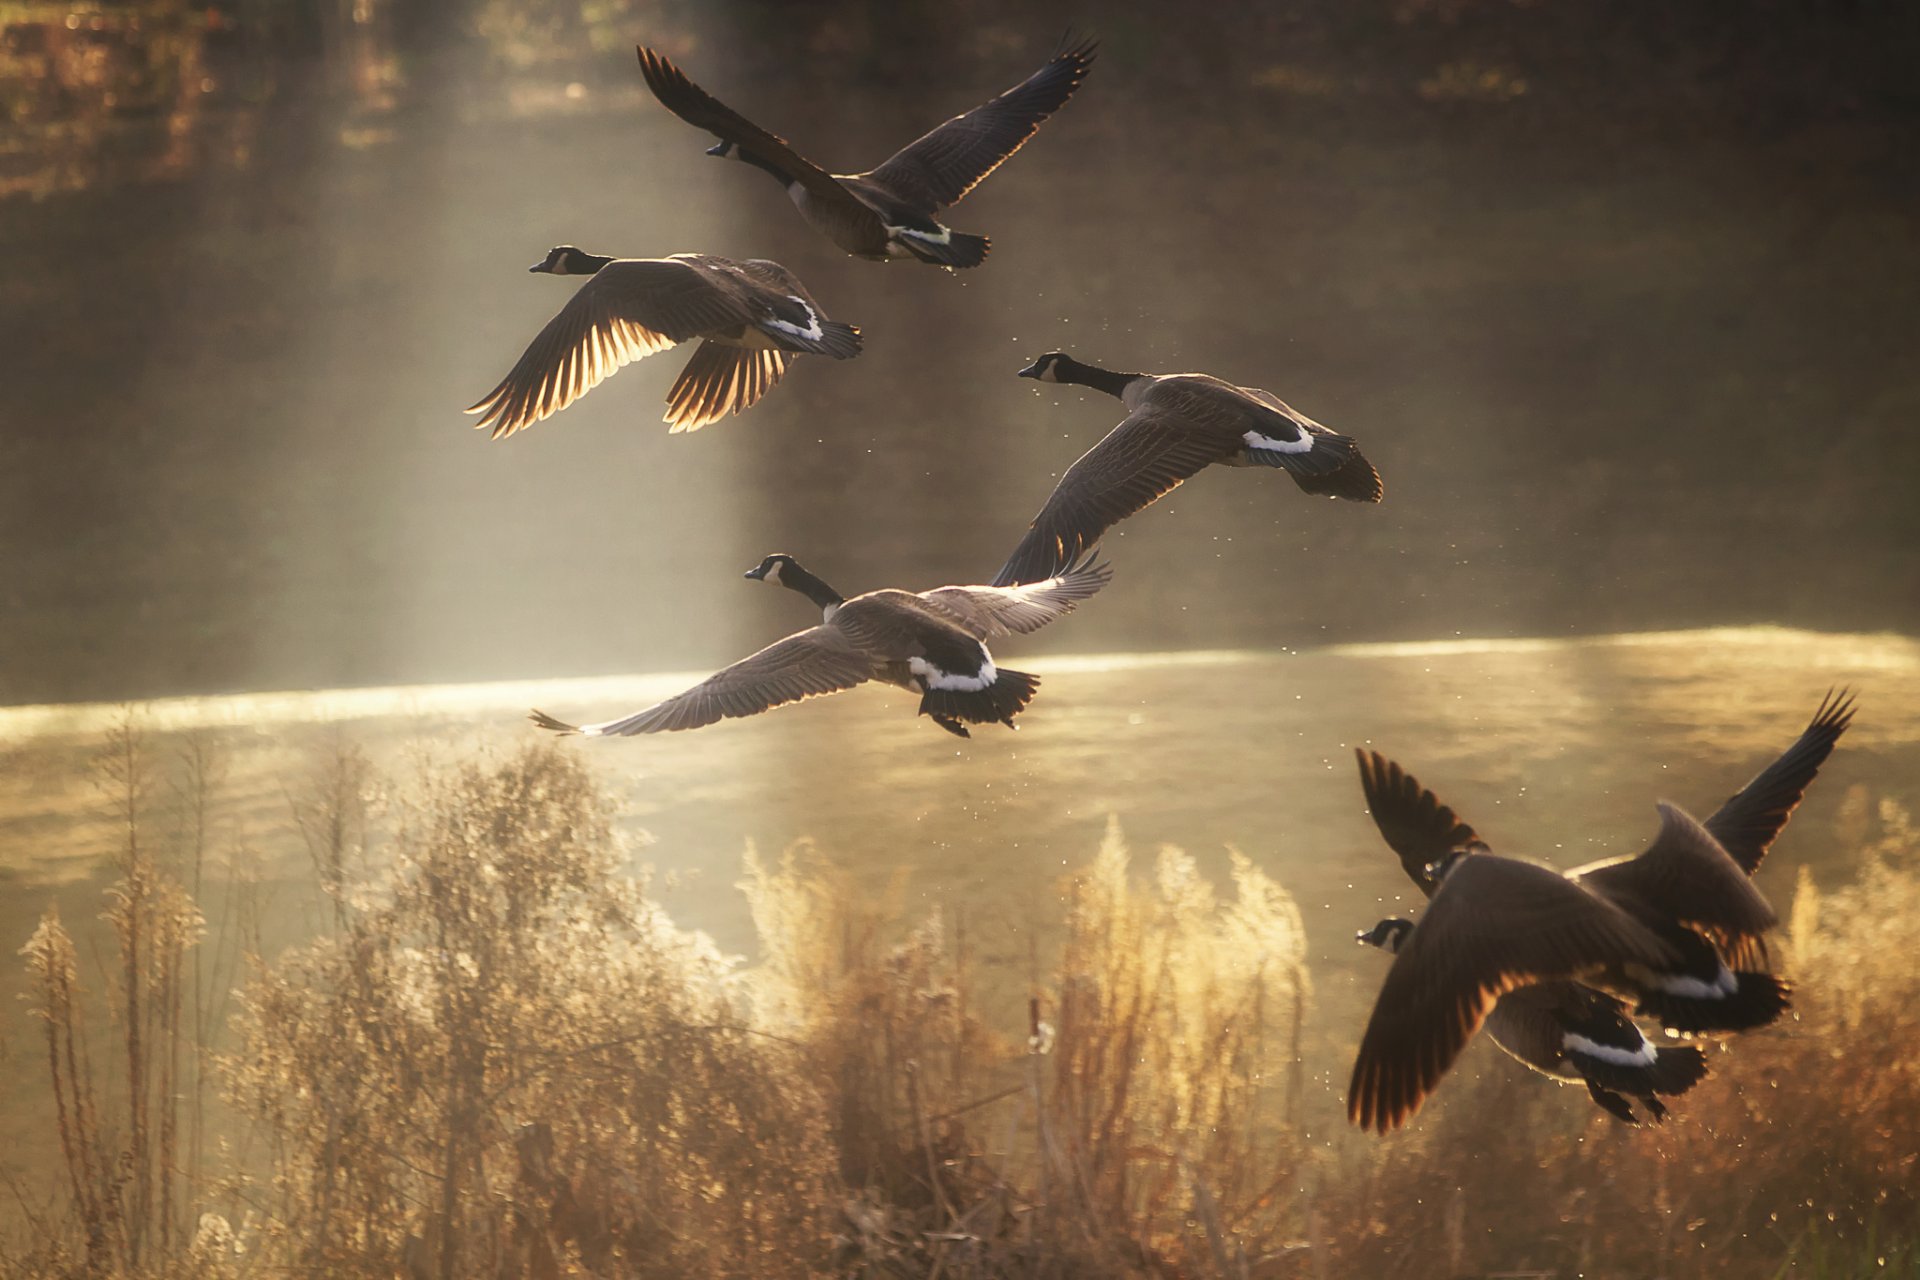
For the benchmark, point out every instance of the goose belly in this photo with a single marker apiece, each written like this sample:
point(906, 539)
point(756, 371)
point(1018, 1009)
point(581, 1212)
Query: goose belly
point(839, 224)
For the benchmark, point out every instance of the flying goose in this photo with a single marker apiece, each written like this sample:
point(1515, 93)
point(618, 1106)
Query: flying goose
point(927, 642)
point(754, 317)
point(1176, 424)
point(1561, 1029)
point(1494, 924)
point(886, 212)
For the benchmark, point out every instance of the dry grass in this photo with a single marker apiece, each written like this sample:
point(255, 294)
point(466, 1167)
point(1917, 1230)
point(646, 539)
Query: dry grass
point(500, 1059)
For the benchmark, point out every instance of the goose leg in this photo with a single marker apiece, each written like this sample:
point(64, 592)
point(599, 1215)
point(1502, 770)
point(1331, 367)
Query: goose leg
point(952, 726)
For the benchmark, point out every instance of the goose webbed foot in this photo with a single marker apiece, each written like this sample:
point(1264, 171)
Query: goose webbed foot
point(953, 727)
point(1612, 1103)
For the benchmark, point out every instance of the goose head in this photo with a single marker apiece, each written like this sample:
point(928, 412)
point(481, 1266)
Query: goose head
point(1047, 367)
point(566, 260)
point(770, 569)
point(786, 571)
point(1388, 935)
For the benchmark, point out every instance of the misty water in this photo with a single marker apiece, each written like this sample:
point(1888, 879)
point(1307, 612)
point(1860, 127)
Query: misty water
point(1642, 396)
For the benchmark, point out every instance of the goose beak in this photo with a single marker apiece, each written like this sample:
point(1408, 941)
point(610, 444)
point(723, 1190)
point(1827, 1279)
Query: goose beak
point(537, 268)
point(757, 573)
point(1032, 370)
point(720, 149)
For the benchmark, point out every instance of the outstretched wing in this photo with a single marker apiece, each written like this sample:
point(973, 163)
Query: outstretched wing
point(816, 661)
point(949, 161)
point(1747, 824)
point(1494, 925)
point(1685, 876)
point(1414, 823)
point(702, 110)
point(628, 309)
point(999, 611)
point(1149, 454)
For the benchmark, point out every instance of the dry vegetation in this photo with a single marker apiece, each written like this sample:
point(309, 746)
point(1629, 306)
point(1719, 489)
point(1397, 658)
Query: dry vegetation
point(498, 1058)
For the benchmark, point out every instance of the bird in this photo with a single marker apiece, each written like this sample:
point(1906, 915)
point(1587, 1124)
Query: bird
point(754, 316)
point(1494, 924)
point(929, 642)
point(1689, 889)
point(1573, 1033)
point(888, 211)
point(1176, 424)
point(1561, 1029)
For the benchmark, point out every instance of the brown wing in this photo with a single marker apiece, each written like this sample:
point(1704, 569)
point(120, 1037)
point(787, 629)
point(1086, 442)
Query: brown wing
point(1684, 876)
point(1149, 454)
point(630, 308)
point(1494, 924)
point(1747, 824)
point(999, 611)
point(702, 110)
point(804, 665)
point(720, 380)
point(1414, 823)
point(942, 166)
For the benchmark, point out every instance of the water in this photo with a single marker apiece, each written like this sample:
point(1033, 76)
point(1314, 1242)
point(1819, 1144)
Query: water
point(1619, 372)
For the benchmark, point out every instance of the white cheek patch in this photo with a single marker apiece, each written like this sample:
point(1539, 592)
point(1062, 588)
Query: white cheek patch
point(1642, 1057)
point(1267, 444)
point(935, 678)
point(811, 333)
point(943, 236)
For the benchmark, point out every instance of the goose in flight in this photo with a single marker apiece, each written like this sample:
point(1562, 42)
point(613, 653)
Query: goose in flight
point(1176, 425)
point(929, 642)
point(752, 318)
point(889, 211)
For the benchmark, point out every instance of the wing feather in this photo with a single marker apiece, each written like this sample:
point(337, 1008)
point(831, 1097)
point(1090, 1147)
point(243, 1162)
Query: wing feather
point(810, 663)
point(945, 163)
point(629, 309)
point(999, 611)
point(1147, 456)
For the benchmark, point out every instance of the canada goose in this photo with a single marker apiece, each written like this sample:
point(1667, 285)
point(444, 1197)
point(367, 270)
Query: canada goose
point(1494, 924)
point(1176, 424)
point(1687, 891)
point(755, 316)
point(927, 642)
point(1562, 1029)
point(886, 212)
point(1574, 1033)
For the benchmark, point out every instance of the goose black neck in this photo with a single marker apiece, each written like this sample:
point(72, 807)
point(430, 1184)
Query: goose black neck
point(1067, 369)
point(794, 578)
point(766, 166)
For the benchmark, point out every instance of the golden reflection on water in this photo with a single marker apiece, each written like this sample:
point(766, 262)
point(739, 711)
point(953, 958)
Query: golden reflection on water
point(1556, 748)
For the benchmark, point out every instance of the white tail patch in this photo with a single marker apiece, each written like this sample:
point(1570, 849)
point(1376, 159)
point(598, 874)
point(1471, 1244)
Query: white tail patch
point(944, 236)
point(1644, 1056)
point(935, 678)
point(1686, 986)
point(811, 333)
point(1267, 444)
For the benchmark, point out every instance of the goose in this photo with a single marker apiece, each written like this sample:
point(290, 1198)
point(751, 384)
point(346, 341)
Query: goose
point(1176, 424)
point(888, 211)
point(1494, 925)
point(1686, 890)
point(929, 643)
point(1561, 1029)
point(753, 316)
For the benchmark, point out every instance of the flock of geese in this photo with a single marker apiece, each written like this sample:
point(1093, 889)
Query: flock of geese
point(1557, 965)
